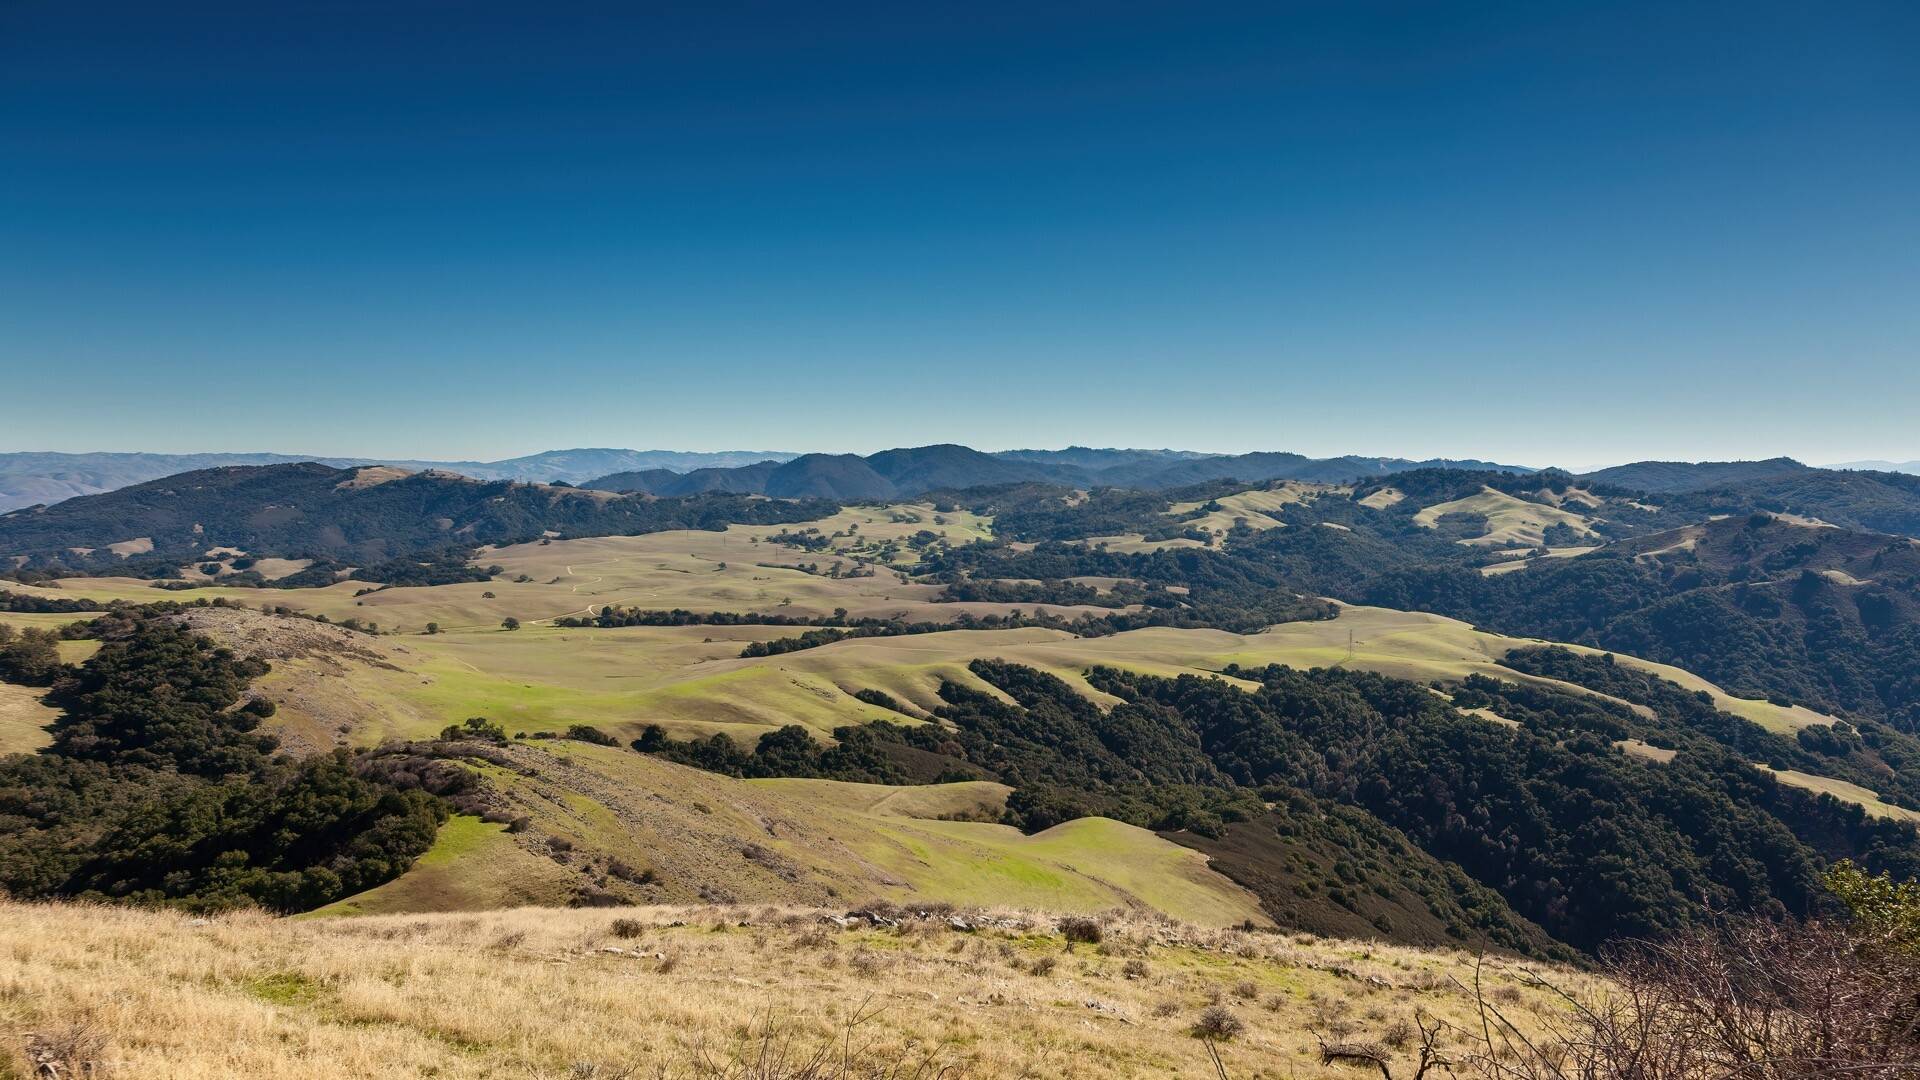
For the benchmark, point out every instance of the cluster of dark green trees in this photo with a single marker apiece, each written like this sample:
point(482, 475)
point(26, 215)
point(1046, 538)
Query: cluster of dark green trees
point(30, 657)
point(159, 788)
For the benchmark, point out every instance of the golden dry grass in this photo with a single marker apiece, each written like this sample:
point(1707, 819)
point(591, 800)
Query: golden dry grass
point(1646, 751)
point(1865, 798)
point(1137, 543)
point(1509, 519)
point(1521, 558)
point(1254, 508)
point(23, 719)
point(544, 993)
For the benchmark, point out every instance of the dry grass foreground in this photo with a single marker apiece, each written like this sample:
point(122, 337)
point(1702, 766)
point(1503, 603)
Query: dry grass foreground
point(705, 992)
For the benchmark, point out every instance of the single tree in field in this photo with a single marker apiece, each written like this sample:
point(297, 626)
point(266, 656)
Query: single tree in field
point(433, 628)
point(509, 623)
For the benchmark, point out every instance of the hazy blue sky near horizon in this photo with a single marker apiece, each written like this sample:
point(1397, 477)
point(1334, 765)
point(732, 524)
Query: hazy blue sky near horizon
point(1533, 232)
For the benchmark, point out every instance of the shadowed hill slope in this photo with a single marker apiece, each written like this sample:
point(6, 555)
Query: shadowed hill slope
point(360, 514)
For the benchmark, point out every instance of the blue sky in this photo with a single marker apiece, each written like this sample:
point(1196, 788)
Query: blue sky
point(1534, 232)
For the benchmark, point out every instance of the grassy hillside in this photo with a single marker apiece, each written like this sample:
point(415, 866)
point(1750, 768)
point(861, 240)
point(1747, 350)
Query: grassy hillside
point(702, 992)
point(1252, 509)
point(603, 824)
point(1508, 520)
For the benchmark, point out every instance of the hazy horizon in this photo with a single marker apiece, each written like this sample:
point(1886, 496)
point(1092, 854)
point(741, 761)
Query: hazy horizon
point(432, 457)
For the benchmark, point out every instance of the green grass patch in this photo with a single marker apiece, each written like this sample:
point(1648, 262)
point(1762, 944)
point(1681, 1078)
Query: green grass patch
point(285, 988)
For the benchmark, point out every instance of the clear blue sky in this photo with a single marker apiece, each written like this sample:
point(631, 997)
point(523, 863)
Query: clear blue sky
point(1533, 231)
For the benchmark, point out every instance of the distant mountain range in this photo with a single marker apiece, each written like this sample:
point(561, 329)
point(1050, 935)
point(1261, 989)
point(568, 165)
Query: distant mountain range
point(917, 470)
point(1684, 476)
point(1881, 466)
point(30, 478)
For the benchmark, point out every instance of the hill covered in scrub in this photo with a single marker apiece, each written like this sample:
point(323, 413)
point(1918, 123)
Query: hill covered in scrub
point(31, 478)
point(912, 471)
point(357, 515)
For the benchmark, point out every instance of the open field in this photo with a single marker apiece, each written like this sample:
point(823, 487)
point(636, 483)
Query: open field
point(686, 992)
point(1523, 560)
point(1254, 508)
point(72, 652)
point(1510, 520)
point(23, 719)
point(695, 835)
point(22, 620)
point(1137, 543)
point(1646, 751)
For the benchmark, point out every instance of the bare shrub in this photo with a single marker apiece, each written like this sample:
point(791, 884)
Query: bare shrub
point(69, 1052)
point(1081, 930)
point(600, 1070)
point(1134, 969)
point(627, 873)
point(628, 928)
point(1217, 1022)
point(1042, 965)
point(769, 1049)
point(1750, 999)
